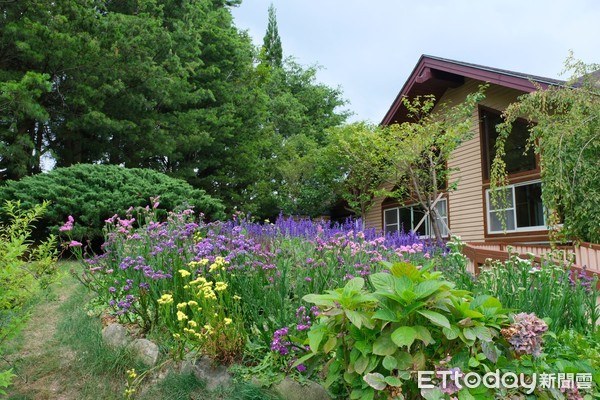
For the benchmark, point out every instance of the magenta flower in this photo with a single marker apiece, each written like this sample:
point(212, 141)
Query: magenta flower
point(68, 225)
point(75, 243)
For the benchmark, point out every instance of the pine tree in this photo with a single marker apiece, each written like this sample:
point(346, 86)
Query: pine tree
point(272, 51)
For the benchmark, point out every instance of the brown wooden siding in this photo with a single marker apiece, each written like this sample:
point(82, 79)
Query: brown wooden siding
point(466, 205)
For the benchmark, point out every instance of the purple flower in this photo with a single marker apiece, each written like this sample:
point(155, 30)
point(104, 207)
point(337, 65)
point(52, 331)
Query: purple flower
point(75, 243)
point(68, 225)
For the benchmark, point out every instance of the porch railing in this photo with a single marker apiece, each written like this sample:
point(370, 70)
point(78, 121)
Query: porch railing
point(586, 256)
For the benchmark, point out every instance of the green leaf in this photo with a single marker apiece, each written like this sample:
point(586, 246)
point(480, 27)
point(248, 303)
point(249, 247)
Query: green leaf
point(403, 269)
point(427, 288)
point(483, 333)
point(330, 344)
point(404, 336)
point(485, 301)
point(404, 359)
point(490, 351)
point(436, 318)
point(353, 286)
point(412, 307)
point(382, 282)
point(424, 335)
point(401, 284)
point(389, 363)
point(393, 381)
point(432, 394)
point(321, 299)
point(357, 318)
point(361, 364)
point(375, 380)
point(304, 358)
point(451, 333)
point(385, 314)
point(469, 334)
point(315, 336)
point(465, 395)
point(384, 346)
point(419, 360)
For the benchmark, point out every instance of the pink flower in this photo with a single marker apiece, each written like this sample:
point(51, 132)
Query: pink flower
point(68, 225)
point(75, 243)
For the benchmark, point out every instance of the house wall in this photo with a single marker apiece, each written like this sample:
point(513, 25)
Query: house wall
point(466, 204)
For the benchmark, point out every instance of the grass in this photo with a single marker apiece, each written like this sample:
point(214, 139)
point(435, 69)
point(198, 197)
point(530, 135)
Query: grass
point(61, 354)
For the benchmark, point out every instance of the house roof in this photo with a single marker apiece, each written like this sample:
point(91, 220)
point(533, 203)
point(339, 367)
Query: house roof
point(434, 75)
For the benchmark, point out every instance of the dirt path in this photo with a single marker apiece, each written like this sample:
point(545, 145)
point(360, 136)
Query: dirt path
point(39, 360)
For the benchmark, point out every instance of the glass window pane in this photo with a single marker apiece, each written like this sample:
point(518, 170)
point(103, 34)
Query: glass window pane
point(442, 208)
point(529, 208)
point(418, 214)
point(405, 219)
point(515, 145)
point(495, 223)
point(391, 216)
point(505, 200)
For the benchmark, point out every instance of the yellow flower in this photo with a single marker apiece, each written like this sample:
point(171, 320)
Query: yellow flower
point(176, 336)
point(131, 373)
point(184, 273)
point(236, 297)
point(193, 324)
point(227, 321)
point(198, 280)
point(181, 306)
point(165, 299)
point(209, 294)
point(220, 286)
point(213, 267)
point(192, 303)
point(209, 329)
point(181, 316)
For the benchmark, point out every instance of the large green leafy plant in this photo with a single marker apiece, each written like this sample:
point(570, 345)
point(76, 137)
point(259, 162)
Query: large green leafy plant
point(412, 320)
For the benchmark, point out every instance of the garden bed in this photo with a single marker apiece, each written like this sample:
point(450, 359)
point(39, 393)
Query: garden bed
point(264, 299)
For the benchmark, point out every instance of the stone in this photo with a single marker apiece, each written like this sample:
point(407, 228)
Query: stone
point(213, 375)
point(145, 351)
point(115, 336)
point(290, 389)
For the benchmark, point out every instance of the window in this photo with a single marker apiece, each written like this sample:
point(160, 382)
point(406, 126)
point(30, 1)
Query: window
point(522, 211)
point(516, 160)
point(405, 219)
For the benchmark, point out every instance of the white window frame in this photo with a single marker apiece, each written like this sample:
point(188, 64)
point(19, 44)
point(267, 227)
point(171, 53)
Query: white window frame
point(489, 210)
point(414, 222)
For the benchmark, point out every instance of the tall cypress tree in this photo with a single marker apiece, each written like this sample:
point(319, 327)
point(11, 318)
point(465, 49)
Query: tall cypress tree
point(272, 52)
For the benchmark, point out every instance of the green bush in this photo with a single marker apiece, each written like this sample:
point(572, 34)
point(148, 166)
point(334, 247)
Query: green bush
point(24, 268)
point(94, 193)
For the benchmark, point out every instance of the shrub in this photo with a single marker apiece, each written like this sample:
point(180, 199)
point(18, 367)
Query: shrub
point(96, 192)
point(374, 344)
point(24, 268)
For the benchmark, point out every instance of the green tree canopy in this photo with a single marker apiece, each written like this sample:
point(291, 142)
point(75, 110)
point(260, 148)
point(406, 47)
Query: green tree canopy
point(272, 51)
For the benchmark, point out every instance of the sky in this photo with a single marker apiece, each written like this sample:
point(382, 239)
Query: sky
point(369, 48)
